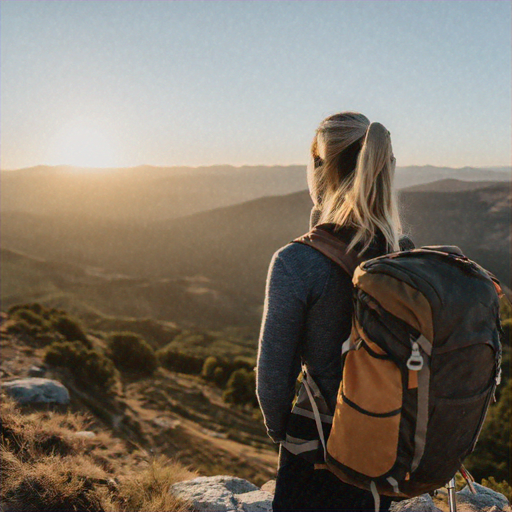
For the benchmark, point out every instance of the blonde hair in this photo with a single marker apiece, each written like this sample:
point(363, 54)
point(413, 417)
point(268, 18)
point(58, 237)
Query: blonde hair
point(353, 184)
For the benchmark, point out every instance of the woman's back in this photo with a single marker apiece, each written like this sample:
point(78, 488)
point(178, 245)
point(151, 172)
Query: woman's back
point(309, 326)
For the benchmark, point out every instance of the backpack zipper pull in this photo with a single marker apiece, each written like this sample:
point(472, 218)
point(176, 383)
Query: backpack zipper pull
point(415, 362)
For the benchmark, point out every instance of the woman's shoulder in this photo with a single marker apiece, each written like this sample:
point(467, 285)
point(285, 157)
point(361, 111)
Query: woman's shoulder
point(299, 255)
point(304, 264)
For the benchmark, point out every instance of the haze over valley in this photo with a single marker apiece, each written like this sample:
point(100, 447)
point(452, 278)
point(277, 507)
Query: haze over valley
point(132, 243)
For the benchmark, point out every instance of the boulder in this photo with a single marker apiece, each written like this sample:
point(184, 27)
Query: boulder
point(223, 494)
point(254, 501)
point(37, 390)
point(269, 486)
point(232, 494)
point(484, 499)
point(423, 503)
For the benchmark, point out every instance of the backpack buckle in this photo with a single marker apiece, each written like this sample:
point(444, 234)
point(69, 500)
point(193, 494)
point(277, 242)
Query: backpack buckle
point(415, 362)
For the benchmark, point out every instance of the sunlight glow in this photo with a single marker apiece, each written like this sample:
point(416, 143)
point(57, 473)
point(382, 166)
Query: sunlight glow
point(83, 143)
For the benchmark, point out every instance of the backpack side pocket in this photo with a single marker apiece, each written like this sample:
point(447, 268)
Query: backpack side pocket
point(365, 431)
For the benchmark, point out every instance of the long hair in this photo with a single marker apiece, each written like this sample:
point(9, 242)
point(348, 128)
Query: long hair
point(352, 184)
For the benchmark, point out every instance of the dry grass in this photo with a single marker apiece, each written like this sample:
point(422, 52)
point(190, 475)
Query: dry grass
point(148, 491)
point(46, 467)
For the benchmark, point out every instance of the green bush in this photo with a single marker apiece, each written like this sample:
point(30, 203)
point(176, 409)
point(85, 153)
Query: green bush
point(219, 375)
point(89, 368)
point(219, 369)
point(42, 325)
point(241, 388)
point(35, 307)
point(180, 362)
point(27, 320)
point(506, 321)
point(70, 329)
point(30, 317)
point(209, 366)
point(492, 453)
point(23, 329)
point(132, 354)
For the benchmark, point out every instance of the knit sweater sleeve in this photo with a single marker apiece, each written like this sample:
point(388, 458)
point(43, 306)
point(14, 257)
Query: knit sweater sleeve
point(279, 362)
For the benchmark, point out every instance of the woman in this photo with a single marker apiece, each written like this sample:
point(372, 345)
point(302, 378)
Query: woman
point(308, 302)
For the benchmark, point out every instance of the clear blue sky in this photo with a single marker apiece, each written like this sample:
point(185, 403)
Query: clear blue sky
point(246, 82)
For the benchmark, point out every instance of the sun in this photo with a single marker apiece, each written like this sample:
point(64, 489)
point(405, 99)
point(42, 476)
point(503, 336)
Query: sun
point(83, 143)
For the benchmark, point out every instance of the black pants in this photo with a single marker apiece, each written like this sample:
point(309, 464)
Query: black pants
point(299, 486)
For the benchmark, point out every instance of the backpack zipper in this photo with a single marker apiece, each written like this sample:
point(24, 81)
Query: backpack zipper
point(415, 362)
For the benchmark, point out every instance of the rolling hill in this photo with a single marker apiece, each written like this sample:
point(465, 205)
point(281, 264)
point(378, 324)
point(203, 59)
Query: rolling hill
point(210, 267)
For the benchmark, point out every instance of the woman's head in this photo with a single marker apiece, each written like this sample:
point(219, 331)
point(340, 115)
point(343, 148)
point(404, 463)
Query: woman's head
point(350, 177)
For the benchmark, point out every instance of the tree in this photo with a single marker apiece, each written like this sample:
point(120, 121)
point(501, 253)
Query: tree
point(241, 388)
point(132, 354)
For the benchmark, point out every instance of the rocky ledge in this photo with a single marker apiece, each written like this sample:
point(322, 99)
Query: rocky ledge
point(231, 494)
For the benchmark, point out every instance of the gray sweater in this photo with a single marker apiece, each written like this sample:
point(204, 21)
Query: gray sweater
point(307, 316)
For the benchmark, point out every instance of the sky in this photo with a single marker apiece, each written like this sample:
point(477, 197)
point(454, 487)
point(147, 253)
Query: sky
point(125, 83)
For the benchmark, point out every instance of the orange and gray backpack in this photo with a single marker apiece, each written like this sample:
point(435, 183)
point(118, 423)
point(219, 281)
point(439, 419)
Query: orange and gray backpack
point(419, 369)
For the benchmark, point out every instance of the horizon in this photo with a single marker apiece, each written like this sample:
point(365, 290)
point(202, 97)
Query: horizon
point(495, 168)
point(117, 83)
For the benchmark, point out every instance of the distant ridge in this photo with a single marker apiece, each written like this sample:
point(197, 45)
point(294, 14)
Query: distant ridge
point(173, 169)
point(145, 194)
point(450, 185)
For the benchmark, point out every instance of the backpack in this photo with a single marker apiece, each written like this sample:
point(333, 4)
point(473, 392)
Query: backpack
point(419, 370)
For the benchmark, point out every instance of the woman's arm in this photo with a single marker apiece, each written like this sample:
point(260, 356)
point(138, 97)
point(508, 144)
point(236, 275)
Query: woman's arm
point(282, 330)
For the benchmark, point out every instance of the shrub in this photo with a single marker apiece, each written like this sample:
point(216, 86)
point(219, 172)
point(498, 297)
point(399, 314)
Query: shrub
point(210, 363)
point(23, 327)
point(241, 388)
point(35, 307)
point(30, 317)
point(492, 453)
point(132, 354)
point(219, 375)
point(42, 325)
point(88, 367)
point(70, 329)
point(219, 369)
point(180, 362)
point(27, 320)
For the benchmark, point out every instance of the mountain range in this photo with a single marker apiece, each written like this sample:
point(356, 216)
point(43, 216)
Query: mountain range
point(145, 194)
point(208, 268)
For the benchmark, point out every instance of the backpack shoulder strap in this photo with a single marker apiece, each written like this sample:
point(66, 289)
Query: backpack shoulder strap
point(332, 247)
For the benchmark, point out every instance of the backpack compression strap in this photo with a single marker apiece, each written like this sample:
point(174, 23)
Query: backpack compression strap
point(332, 247)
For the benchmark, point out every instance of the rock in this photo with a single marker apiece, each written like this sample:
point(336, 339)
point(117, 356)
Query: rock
point(36, 390)
point(166, 422)
point(222, 494)
point(484, 499)
point(86, 434)
point(36, 371)
point(269, 486)
point(423, 503)
point(255, 501)
point(213, 433)
point(231, 494)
